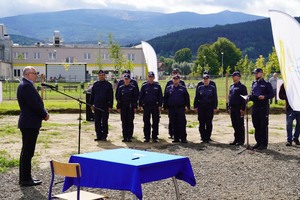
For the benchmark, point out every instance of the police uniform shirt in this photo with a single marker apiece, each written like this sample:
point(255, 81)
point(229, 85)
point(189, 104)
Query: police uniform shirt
point(261, 87)
point(235, 92)
point(132, 82)
point(127, 96)
point(206, 95)
point(151, 94)
point(170, 82)
point(102, 94)
point(176, 96)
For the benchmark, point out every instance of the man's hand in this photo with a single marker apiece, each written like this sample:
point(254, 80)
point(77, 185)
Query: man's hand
point(93, 109)
point(261, 97)
point(47, 117)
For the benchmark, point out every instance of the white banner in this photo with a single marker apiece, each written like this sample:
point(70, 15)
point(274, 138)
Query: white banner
point(286, 35)
point(150, 57)
point(1, 91)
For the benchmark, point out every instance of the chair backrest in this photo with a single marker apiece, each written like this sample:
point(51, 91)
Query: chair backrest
point(67, 170)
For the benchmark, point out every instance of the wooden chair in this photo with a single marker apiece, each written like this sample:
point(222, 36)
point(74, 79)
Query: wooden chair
point(70, 170)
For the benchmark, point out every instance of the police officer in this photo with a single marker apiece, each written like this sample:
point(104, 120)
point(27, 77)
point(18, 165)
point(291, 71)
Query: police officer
point(150, 100)
point(262, 92)
point(170, 82)
point(237, 107)
point(101, 97)
point(205, 104)
point(177, 101)
point(132, 82)
point(211, 82)
point(127, 104)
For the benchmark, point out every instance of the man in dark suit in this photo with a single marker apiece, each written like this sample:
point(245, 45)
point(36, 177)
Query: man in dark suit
point(30, 121)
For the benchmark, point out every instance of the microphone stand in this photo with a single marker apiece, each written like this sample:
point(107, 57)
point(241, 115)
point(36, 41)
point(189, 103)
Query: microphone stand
point(80, 110)
point(248, 147)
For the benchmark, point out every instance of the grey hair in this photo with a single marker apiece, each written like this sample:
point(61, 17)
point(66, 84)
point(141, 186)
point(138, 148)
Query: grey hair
point(28, 69)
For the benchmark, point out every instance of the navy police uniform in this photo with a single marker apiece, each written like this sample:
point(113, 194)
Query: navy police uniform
point(205, 102)
point(127, 102)
point(260, 111)
point(170, 82)
point(101, 97)
point(176, 98)
point(132, 82)
point(150, 99)
point(237, 104)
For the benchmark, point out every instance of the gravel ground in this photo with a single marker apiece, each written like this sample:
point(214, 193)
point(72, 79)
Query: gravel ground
point(221, 171)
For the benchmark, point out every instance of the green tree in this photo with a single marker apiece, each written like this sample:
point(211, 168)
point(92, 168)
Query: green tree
point(207, 58)
point(167, 64)
point(273, 63)
point(116, 55)
point(183, 55)
point(227, 53)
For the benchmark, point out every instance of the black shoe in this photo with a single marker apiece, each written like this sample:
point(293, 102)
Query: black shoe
point(255, 146)
point(124, 140)
point(288, 144)
point(129, 140)
point(262, 147)
point(296, 141)
point(239, 144)
point(184, 141)
point(97, 139)
point(30, 183)
point(233, 143)
point(147, 140)
point(154, 140)
point(175, 141)
point(104, 139)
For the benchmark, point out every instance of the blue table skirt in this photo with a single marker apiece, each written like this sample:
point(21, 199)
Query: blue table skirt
point(127, 169)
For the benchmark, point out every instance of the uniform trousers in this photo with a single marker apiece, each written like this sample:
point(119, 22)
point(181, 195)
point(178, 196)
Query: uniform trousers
point(29, 137)
point(127, 117)
point(260, 119)
point(205, 117)
point(101, 123)
point(151, 110)
point(178, 122)
point(238, 124)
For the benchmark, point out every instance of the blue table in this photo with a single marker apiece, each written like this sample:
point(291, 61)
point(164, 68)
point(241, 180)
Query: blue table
point(127, 169)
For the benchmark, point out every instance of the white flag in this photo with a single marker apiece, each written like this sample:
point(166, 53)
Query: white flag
point(286, 35)
point(150, 57)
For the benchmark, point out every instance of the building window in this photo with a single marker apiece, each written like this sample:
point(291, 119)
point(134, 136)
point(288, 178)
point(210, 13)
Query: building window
point(36, 55)
point(15, 55)
point(69, 59)
point(25, 55)
point(131, 57)
point(87, 56)
point(17, 72)
point(52, 55)
point(105, 56)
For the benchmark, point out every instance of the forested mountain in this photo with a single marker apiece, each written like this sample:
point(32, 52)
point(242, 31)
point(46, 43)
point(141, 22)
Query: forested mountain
point(253, 38)
point(128, 27)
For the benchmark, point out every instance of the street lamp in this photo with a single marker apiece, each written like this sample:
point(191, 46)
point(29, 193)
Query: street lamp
point(222, 53)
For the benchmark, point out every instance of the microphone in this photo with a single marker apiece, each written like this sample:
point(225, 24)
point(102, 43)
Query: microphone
point(49, 86)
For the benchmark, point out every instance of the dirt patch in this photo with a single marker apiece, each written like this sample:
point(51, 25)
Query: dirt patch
point(58, 138)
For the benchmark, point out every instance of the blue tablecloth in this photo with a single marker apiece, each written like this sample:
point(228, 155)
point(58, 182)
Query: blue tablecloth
point(127, 169)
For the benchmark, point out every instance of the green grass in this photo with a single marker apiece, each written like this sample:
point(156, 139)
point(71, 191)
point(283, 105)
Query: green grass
point(56, 102)
point(8, 130)
point(6, 161)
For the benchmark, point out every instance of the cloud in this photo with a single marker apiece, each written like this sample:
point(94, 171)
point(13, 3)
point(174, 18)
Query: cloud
point(257, 7)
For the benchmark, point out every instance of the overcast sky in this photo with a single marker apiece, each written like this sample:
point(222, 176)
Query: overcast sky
point(256, 7)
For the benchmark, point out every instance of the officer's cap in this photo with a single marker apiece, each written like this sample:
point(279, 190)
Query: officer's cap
point(257, 70)
point(236, 73)
point(205, 76)
point(175, 71)
point(101, 72)
point(151, 74)
point(126, 76)
point(176, 77)
point(127, 71)
point(206, 72)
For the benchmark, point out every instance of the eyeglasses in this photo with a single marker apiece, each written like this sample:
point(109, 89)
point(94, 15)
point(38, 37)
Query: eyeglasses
point(35, 73)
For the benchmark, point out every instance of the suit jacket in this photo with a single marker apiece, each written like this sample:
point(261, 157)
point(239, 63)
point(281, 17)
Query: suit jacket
point(31, 106)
